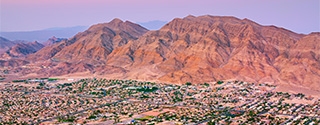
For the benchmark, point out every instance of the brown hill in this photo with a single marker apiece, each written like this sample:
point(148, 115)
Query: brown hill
point(100, 40)
point(301, 64)
point(208, 48)
point(53, 40)
point(22, 49)
point(5, 44)
point(5, 64)
point(93, 45)
point(88, 50)
point(191, 49)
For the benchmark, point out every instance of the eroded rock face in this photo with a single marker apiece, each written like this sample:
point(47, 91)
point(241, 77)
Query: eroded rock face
point(208, 48)
point(93, 45)
point(5, 44)
point(191, 49)
point(22, 49)
point(87, 51)
point(53, 40)
point(302, 63)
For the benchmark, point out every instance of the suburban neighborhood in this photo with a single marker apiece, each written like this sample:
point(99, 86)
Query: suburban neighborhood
point(111, 101)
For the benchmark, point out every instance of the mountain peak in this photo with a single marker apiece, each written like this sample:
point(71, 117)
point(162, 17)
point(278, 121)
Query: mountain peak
point(35, 42)
point(53, 40)
point(193, 23)
point(53, 37)
point(189, 17)
point(116, 21)
point(93, 45)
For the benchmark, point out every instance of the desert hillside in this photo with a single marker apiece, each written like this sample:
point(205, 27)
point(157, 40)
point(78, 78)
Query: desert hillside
point(191, 49)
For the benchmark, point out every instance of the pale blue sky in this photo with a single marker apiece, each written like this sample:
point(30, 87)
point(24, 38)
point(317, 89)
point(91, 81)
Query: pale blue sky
point(301, 16)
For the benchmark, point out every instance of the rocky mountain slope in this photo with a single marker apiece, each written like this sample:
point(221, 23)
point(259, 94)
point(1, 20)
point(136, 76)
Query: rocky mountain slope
point(208, 48)
point(191, 49)
point(53, 40)
point(5, 44)
point(94, 44)
point(22, 49)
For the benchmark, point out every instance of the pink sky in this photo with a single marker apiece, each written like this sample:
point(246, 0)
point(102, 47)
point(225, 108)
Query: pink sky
point(25, 15)
point(85, 2)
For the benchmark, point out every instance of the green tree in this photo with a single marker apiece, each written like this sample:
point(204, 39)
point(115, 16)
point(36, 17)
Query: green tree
point(220, 82)
point(188, 83)
point(207, 84)
point(211, 123)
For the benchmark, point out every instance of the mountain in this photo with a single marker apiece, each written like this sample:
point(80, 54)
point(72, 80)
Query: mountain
point(14, 52)
point(206, 48)
point(5, 44)
point(93, 45)
point(211, 48)
point(191, 49)
point(153, 25)
point(22, 49)
point(301, 64)
point(43, 35)
point(53, 40)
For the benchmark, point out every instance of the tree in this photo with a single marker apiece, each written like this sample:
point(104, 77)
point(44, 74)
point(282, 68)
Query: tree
point(188, 83)
point(67, 119)
point(92, 117)
point(211, 123)
point(207, 84)
point(252, 113)
point(220, 82)
point(42, 84)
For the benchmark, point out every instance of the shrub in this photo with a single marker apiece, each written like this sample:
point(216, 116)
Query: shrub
point(68, 119)
point(220, 82)
point(188, 83)
point(207, 84)
point(92, 117)
point(52, 79)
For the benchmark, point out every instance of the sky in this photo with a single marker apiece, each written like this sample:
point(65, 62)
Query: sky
point(301, 16)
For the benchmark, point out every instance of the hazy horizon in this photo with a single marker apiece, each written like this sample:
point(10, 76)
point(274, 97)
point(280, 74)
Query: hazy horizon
point(18, 15)
point(59, 27)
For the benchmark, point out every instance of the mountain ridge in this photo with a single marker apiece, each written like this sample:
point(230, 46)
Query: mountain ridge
point(22, 49)
point(190, 49)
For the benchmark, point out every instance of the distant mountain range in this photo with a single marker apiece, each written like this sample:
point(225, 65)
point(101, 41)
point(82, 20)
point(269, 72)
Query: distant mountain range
point(19, 48)
point(43, 35)
point(191, 49)
point(22, 49)
point(64, 32)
